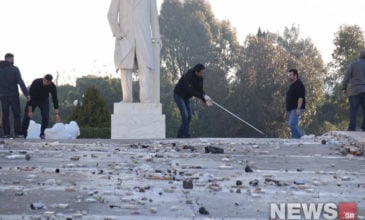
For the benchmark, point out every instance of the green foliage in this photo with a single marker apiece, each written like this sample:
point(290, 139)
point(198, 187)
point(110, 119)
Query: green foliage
point(110, 88)
point(88, 132)
point(349, 41)
point(92, 110)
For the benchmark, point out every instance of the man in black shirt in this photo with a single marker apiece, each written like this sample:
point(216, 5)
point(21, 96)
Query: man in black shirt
point(189, 85)
point(295, 103)
point(39, 97)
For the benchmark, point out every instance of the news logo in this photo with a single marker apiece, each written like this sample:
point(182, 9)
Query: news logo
point(313, 211)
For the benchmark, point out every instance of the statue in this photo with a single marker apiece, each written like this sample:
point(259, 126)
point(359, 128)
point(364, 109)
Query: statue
point(135, 26)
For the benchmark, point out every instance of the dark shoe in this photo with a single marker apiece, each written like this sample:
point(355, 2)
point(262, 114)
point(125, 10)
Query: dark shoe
point(42, 136)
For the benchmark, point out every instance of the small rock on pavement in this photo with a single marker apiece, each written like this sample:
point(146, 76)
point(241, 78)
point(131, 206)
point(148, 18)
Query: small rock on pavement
point(37, 205)
point(214, 150)
point(27, 157)
point(187, 184)
point(248, 169)
point(203, 211)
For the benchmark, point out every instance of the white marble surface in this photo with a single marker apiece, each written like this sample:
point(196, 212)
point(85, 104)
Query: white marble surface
point(138, 121)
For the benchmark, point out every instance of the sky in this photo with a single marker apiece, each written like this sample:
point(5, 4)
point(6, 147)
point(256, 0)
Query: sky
point(73, 37)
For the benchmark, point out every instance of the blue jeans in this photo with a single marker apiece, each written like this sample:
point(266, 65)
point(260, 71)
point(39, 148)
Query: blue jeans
point(185, 111)
point(44, 107)
point(355, 102)
point(294, 123)
point(13, 103)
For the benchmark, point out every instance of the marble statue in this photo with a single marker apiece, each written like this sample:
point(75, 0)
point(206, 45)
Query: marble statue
point(135, 26)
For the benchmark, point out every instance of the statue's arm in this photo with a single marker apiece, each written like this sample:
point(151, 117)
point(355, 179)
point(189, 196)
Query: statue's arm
point(113, 15)
point(155, 27)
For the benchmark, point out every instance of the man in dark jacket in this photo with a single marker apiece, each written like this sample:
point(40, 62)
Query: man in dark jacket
point(10, 78)
point(295, 103)
point(39, 97)
point(189, 85)
point(355, 75)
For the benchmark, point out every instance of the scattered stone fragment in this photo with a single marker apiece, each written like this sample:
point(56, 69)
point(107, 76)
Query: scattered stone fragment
point(238, 183)
point(37, 205)
point(345, 178)
point(277, 182)
point(27, 157)
point(49, 214)
point(15, 156)
point(191, 148)
point(19, 193)
point(187, 184)
point(153, 210)
point(299, 182)
point(75, 158)
point(254, 182)
point(248, 169)
point(174, 208)
point(203, 211)
point(323, 141)
point(213, 150)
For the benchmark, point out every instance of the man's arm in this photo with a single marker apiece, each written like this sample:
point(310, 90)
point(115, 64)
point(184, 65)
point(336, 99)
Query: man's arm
point(346, 79)
point(55, 103)
point(22, 84)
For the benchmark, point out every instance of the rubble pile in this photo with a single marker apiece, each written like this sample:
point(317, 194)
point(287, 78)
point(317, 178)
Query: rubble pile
point(181, 179)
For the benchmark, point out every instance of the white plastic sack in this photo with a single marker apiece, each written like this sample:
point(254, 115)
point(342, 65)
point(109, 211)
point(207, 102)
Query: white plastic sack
point(63, 131)
point(34, 130)
point(58, 131)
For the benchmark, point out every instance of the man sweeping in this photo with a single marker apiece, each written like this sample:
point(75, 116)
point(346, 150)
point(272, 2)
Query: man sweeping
point(190, 84)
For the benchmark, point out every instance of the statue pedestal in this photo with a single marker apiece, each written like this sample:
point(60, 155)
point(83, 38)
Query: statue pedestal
point(138, 121)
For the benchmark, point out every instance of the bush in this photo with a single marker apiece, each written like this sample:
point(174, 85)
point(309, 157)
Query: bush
point(88, 132)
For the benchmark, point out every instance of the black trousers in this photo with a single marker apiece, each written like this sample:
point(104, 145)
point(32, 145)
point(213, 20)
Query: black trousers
point(44, 107)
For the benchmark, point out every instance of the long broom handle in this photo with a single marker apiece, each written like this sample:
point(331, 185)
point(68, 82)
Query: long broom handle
point(238, 118)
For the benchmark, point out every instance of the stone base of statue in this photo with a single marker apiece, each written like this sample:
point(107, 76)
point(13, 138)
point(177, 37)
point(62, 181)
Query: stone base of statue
point(138, 121)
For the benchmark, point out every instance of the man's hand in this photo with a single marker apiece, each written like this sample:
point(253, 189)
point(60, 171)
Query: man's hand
point(208, 100)
point(344, 92)
point(286, 116)
point(57, 118)
point(297, 112)
point(30, 114)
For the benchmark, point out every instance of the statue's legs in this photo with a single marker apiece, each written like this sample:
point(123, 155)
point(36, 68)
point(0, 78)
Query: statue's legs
point(145, 84)
point(126, 82)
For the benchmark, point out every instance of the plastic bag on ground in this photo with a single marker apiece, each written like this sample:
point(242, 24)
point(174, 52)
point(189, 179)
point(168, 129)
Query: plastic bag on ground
point(58, 131)
point(63, 131)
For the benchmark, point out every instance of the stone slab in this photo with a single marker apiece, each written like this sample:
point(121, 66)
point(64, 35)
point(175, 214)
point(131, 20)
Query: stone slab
point(138, 121)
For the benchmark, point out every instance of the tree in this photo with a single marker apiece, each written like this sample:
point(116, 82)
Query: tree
point(92, 110)
point(109, 88)
point(349, 41)
point(261, 83)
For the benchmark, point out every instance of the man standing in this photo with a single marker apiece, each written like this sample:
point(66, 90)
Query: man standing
point(295, 103)
point(355, 75)
point(39, 97)
point(135, 26)
point(189, 85)
point(10, 78)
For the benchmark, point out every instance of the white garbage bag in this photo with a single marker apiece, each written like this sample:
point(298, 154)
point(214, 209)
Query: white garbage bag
point(58, 131)
point(73, 129)
point(63, 131)
point(34, 130)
